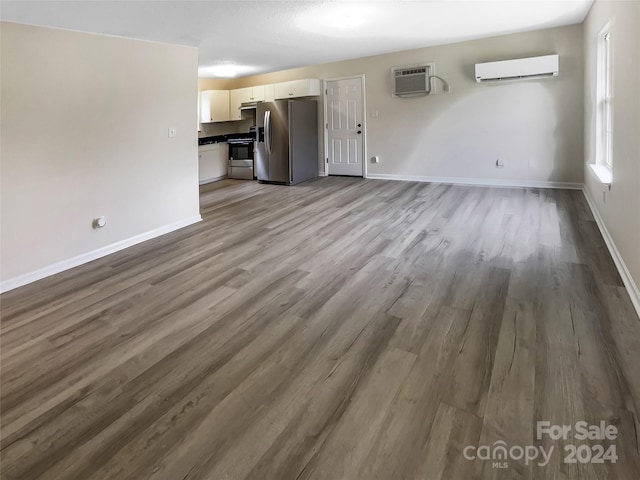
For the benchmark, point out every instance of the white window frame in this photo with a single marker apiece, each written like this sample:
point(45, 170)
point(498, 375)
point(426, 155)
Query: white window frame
point(604, 99)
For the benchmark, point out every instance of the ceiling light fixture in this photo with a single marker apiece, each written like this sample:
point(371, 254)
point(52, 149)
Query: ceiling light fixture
point(347, 18)
point(224, 70)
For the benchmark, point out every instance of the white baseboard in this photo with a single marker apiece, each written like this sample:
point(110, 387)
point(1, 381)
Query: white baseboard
point(627, 279)
point(485, 182)
point(58, 267)
point(211, 180)
point(322, 174)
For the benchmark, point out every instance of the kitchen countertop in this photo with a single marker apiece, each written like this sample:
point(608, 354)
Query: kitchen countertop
point(224, 138)
point(213, 139)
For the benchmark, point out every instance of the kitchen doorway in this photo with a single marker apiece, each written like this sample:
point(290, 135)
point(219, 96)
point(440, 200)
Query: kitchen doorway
point(344, 124)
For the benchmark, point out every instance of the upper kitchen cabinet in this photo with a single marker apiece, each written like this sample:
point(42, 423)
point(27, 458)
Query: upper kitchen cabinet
point(257, 93)
point(244, 95)
point(309, 87)
point(269, 93)
point(235, 102)
point(214, 106)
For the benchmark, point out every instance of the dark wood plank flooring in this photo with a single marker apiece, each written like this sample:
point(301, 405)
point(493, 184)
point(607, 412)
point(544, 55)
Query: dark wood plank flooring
point(340, 329)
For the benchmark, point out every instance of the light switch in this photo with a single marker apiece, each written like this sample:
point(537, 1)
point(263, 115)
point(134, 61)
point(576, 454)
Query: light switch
point(172, 132)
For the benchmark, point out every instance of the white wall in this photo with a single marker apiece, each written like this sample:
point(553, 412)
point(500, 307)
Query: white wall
point(84, 133)
point(535, 126)
point(620, 207)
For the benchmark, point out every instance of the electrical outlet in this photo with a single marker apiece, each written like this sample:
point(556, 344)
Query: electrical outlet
point(499, 163)
point(375, 159)
point(99, 222)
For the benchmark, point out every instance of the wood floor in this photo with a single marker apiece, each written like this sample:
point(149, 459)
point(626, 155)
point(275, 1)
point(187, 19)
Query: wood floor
point(340, 329)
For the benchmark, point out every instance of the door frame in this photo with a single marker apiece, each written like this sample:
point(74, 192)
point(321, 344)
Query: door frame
point(325, 127)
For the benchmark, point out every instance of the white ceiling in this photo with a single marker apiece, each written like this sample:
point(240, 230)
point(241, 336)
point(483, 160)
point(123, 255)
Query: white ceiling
point(239, 38)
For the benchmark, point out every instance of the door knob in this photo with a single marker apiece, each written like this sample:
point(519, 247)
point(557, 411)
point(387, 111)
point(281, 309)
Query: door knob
point(359, 132)
point(359, 125)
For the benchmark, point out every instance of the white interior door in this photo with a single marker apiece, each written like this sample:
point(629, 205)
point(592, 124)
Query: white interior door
point(345, 132)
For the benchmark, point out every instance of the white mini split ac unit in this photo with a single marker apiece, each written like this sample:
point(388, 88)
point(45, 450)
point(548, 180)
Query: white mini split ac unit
point(411, 81)
point(518, 69)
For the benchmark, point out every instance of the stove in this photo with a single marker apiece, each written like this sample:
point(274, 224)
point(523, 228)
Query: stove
point(241, 155)
point(240, 141)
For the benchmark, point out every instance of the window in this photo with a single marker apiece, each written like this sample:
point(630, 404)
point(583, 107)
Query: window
point(604, 93)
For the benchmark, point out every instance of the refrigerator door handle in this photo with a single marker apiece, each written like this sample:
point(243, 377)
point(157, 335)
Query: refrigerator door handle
point(270, 134)
point(267, 148)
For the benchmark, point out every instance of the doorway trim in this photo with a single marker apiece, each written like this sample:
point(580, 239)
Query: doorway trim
point(325, 127)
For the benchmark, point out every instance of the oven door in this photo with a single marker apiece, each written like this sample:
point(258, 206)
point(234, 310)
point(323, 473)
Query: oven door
point(241, 151)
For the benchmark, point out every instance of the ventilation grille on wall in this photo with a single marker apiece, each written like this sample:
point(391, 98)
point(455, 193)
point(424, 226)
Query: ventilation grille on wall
point(412, 80)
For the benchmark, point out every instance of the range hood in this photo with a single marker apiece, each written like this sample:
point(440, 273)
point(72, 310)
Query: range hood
point(249, 105)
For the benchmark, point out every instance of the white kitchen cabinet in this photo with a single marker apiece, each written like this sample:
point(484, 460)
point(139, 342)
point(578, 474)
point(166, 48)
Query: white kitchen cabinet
point(249, 94)
point(212, 162)
point(214, 106)
point(236, 98)
point(309, 87)
point(269, 94)
point(244, 95)
point(257, 94)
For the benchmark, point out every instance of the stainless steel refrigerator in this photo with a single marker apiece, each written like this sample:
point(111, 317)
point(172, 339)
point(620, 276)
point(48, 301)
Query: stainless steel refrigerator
point(287, 141)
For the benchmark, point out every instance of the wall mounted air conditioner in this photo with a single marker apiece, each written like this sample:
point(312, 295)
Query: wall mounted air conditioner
point(518, 69)
point(411, 80)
